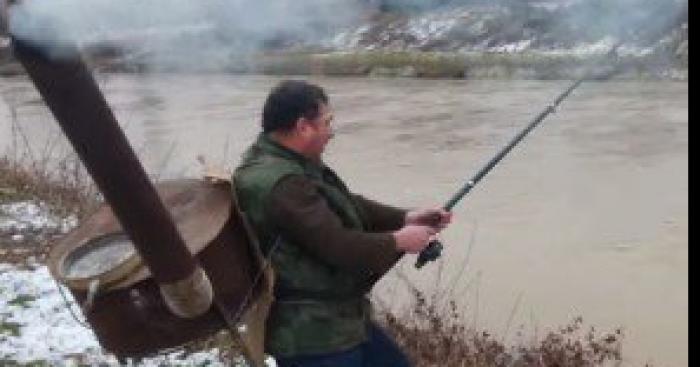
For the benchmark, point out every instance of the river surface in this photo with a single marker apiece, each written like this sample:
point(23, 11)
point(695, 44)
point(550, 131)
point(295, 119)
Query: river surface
point(587, 217)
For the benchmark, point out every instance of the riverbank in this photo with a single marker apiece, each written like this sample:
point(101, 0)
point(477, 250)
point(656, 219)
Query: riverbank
point(524, 66)
point(531, 65)
point(651, 64)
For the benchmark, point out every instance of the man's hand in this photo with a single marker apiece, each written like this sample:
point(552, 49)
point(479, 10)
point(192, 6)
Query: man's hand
point(413, 238)
point(437, 218)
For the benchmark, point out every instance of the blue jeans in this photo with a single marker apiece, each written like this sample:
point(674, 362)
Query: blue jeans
point(378, 351)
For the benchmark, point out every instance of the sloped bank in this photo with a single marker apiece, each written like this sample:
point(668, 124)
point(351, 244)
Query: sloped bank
point(530, 66)
point(670, 63)
point(526, 65)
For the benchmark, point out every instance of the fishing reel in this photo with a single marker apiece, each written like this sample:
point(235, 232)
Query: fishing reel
point(430, 253)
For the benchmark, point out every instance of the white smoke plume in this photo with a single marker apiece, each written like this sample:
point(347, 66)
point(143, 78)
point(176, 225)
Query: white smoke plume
point(640, 20)
point(218, 35)
point(195, 32)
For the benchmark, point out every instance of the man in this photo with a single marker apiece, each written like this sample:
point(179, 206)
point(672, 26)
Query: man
point(327, 245)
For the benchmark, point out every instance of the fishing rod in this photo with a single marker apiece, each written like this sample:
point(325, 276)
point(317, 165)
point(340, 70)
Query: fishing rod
point(434, 249)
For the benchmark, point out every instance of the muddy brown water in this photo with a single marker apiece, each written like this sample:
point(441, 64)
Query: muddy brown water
point(588, 217)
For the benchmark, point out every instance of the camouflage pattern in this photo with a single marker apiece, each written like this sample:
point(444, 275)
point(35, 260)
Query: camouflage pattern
point(321, 309)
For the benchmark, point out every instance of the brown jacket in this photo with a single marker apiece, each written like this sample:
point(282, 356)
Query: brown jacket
point(303, 215)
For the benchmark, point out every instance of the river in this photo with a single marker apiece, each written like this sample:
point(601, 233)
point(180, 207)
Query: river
point(587, 217)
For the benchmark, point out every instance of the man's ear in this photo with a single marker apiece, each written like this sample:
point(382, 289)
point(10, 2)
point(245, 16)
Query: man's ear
point(302, 126)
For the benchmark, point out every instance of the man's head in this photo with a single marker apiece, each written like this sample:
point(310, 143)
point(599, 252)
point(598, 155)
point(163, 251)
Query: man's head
point(297, 114)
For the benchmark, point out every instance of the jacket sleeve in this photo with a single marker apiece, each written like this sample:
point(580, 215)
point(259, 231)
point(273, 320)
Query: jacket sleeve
point(381, 217)
point(302, 216)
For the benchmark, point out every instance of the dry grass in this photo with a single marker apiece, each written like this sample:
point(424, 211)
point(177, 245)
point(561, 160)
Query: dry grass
point(66, 188)
point(526, 65)
point(49, 174)
point(47, 177)
point(477, 65)
point(63, 192)
point(433, 335)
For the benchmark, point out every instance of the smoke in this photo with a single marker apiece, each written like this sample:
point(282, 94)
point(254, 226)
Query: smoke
point(185, 33)
point(636, 20)
point(219, 35)
point(555, 24)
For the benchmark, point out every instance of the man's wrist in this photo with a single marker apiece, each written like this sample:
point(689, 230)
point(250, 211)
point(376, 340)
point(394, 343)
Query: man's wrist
point(409, 217)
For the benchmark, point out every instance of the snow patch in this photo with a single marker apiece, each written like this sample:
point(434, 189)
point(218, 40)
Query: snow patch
point(31, 216)
point(430, 27)
point(30, 300)
point(36, 325)
point(519, 46)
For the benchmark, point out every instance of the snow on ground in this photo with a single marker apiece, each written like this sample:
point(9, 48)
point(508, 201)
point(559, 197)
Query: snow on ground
point(36, 325)
point(348, 39)
point(431, 26)
point(478, 29)
point(40, 325)
point(31, 216)
point(512, 47)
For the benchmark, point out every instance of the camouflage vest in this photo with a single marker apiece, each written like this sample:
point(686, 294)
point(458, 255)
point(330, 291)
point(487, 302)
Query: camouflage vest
point(319, 309)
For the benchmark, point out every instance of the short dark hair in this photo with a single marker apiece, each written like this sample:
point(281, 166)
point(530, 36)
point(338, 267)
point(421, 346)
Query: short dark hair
point(290, 100)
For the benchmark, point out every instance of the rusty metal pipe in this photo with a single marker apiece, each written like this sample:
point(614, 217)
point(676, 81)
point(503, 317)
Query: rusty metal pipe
point(4, 18)
point(76, 102)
